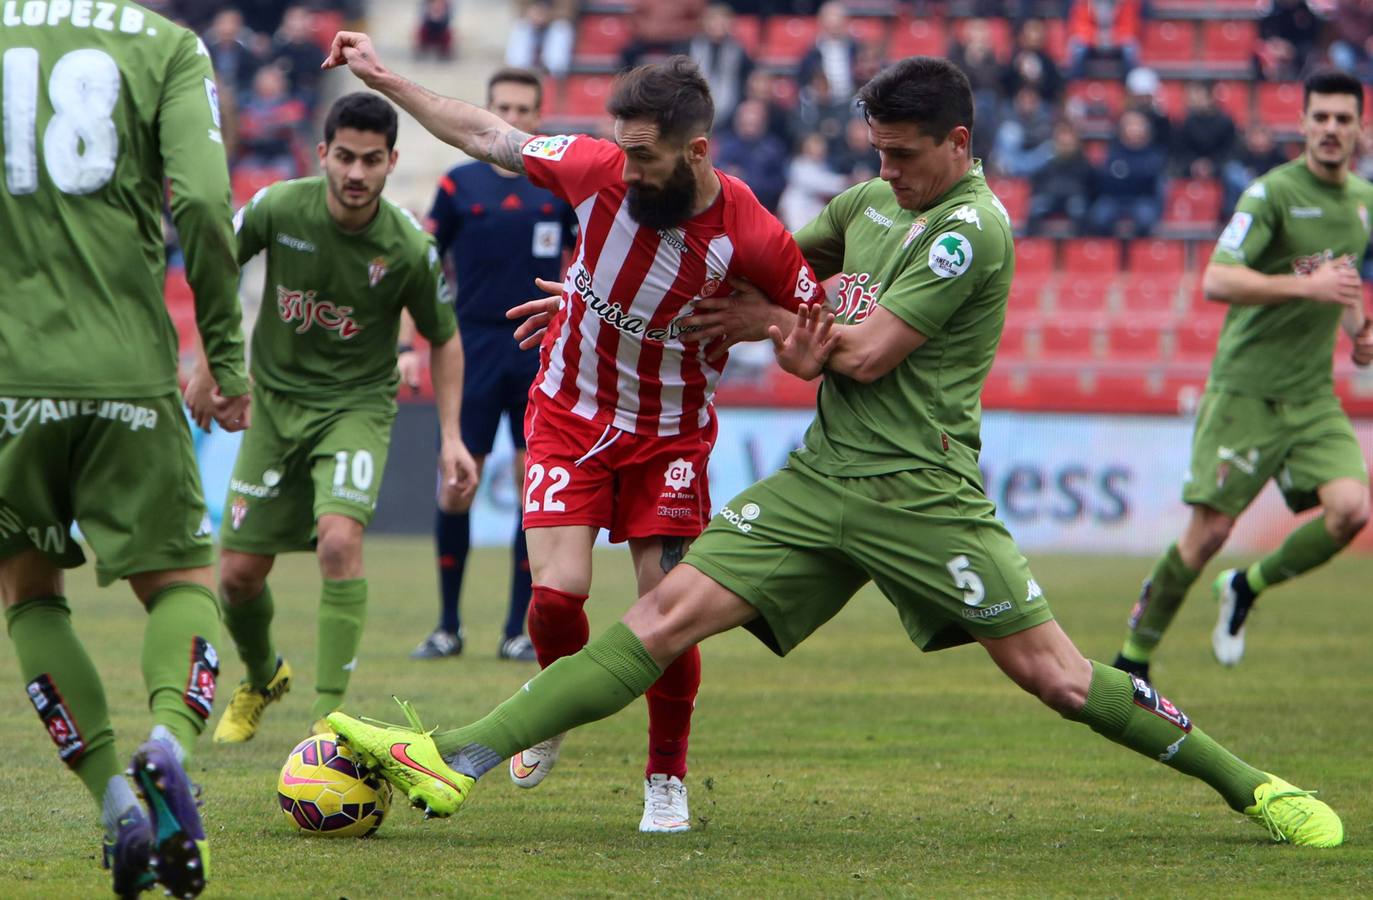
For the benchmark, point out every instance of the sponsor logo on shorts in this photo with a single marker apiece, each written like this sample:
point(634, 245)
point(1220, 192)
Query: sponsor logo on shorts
point(987, 612)
point(680, 474)
point(260, 491)
point(18, 413)
point(676, 512)
point(742, 519)
point(1149, 699)
point(351, 494)
point(238, 511)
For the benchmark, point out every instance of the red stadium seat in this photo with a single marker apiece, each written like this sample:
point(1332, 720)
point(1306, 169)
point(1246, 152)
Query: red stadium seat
point(1000, 33)
point(1122, 390)
point(917, 37)
point(1077, 293)
point(1168, 43)
point(1027, 293)
point(1147, 297)
point(1014, 340)
point(1228, 42)
point(1195, 339)
point(1067, 340)
point(748, 31)
point(1152, 256)
point(1134, 341)
point(1056, 40)
point(788, 38)
point(1099, 99)
point(1193, 203)
point(1053, 389)
point(1171, 99)
point(586, 95)
point(602, 37)
point(1202, 308)
point(1092, 255)
point(1001, 387)
point(1014, 194)
point(1233, 97)
point(324, 25)
point(248, 180)
point(1034, 256)
point(869, 29)
point(1280, 105)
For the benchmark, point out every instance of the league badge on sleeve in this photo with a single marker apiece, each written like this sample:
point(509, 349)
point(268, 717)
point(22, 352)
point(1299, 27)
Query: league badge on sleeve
point(550, 147)
point(950, 255)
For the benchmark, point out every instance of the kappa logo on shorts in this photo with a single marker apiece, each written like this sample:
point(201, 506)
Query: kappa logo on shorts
point(680, 474)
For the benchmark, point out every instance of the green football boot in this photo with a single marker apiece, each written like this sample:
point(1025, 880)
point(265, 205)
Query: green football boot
point(408, 758)
point(1294, 815)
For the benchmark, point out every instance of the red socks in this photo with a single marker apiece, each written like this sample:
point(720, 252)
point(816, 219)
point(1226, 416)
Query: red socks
point(557, 624)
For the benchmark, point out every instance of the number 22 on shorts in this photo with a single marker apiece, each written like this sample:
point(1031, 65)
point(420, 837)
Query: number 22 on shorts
point(558, 478)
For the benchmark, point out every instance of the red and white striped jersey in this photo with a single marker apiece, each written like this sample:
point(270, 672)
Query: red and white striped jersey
point(613, 353)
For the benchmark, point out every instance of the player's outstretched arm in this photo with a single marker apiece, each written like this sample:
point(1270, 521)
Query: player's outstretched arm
point(536, 314)
point(473, 130)
point(745, 315)
point(1334, 281)
point(456, 465)
point(869, 350)
point(804, 349)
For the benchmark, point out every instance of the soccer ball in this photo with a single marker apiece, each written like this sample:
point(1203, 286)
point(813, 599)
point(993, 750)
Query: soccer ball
point(322, 790)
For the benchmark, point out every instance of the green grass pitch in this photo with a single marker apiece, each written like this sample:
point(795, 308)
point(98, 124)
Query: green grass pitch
point(857, 766)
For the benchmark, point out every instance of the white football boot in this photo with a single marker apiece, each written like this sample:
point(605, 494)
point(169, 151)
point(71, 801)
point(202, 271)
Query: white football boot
point(1228, 645)
point(665, 805)
point(529, 767)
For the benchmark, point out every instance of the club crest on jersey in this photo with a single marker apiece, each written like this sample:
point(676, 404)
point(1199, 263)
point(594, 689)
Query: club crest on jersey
point(376, 271)
point(237, 512)
point(917, 229)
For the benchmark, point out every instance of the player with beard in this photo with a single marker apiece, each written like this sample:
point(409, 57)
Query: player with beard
point(620, 422)
point(342, 263)
point(1288, 265)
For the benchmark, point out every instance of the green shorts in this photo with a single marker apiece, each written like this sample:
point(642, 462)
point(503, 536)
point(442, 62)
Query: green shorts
point(1240, 442)
point(296, 464)
point(123, 470)
point(799, 544)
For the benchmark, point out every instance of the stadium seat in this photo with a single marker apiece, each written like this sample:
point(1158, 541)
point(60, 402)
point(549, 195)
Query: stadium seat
point(601, 38)
point(784, 92)
point(1126, 390)
point(1168, 44)
point(585, 95)
point(324, 24)
point(1014, 194)
point(1233, 97)
point(1001, 387)
point(1050, 389)
point(1091, 255)
point(1195, 339)
point(1280, 105)
point(1153, 256)
point(1228, 42)
point(917, 37)
point(1067, 340)
point(1027, 291)
point(1100, 100)
point(1056, 40)
point(1150, 297)
point(248, 180)
point(787, 39)
point(1034, 256)
point(1134, 341)
point(870, 30)
point(1014, 340)
point(1193, 204)
point(999, 31)
point(748, 31)
point(1171, 99)
point(1083, 294)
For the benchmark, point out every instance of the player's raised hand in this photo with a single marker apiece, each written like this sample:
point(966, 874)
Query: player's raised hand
point(540, 312)
point(1363, 346)
point(1336, 281)
point(232, 413)
point(804, 351)
point(459, 470)
point(354, 49)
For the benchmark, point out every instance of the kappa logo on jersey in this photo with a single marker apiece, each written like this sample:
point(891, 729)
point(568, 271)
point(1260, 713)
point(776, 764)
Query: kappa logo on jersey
point(966, 214)
point(950, 255)
point(376, 271)
point(878, 217)
point(805, 285)
point(680, 474)
point(856, 298)
point(302, 307)
point(552, 147)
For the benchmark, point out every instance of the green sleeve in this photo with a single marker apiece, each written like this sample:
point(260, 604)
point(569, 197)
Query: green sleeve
point(822, 240)
point(250, 226)
point(942, 273)
point(1250, 230)
point(194, 163)
point(430, 301)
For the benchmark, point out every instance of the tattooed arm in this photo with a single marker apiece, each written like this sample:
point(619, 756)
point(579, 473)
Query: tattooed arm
point(478, 133)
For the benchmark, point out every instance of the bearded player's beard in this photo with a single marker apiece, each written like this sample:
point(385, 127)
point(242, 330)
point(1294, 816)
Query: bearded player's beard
point(667, 206)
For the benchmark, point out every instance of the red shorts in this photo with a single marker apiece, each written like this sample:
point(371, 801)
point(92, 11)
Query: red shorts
point(579, 472)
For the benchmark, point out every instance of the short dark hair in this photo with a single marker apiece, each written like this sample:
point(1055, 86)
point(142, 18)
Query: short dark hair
point(512, 75)
point(672, 94)
point(929, 91)
point(1332, 81)
point(362, 111)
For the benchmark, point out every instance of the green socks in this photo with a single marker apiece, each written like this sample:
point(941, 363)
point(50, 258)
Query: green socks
point(180, 660)
point(64, 688)
point(599, 680)
point(1158, 604)
point(1305, 549)
point(1133, 714)
point(250, 625)
point(342, 612)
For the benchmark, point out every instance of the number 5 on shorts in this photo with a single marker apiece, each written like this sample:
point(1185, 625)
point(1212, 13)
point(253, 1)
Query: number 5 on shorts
point(558, 478)
point(966, 580)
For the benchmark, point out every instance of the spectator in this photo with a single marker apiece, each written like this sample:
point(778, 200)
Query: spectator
point(723, 60)
point(435, 32)
point(660, 29)
point(1206, 137)
point(541, 37)
point(1103, 35)
point(818, 111)
point(1024, 139)
point(750, 153)
point(854, 156)
point(811, 182)
point(1257, 154)
point(1287, 38)
point(1063, 186)
point(835, 51)
point(1129, 187)
point(759, 86)
point(295, 52)
point(230, 45)
point(1351, 29)
point(1031, 65)
point(271, 123)
point(976, 56)
point(1142, 90)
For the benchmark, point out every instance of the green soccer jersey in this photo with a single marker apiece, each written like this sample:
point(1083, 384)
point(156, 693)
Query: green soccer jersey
point(100, 103)
point(326, 334)
point(945, 271)
point(1288, 221)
